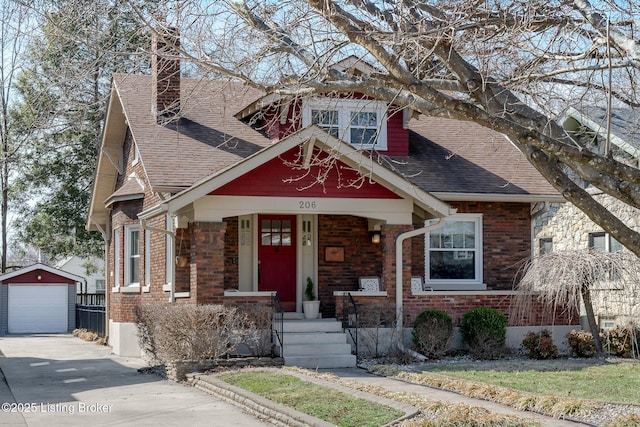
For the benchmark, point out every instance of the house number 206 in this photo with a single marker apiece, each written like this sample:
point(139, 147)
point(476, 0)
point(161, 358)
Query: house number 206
point(307, 204)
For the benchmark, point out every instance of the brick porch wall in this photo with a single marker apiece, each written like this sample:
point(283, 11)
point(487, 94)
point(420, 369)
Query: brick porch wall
point(361, 257)
point(520, 310)
point(208, 262)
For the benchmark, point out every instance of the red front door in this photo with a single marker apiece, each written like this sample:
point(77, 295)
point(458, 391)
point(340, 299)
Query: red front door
point(277, 257)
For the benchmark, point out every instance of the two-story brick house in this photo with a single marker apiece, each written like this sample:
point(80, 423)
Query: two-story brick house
point(258, 192)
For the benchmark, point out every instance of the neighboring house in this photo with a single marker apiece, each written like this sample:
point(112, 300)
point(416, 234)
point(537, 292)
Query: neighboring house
point(94, 282)
point(257, 192)
point(563, 227)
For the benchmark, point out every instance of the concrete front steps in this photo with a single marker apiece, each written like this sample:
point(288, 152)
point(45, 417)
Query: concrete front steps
point(316, 344)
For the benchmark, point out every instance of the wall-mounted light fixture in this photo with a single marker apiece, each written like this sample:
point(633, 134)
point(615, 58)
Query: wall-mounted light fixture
point(39, 277)
point(375, 230)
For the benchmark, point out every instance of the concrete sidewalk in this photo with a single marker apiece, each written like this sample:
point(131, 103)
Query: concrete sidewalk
point(56, 380)
point(398, 386)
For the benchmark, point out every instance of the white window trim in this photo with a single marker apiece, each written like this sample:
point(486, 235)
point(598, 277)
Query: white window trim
point(147, 260)
point(116, 259)
point(459, 284)
point(136, 155)
point(344, 108)
point(128, 229)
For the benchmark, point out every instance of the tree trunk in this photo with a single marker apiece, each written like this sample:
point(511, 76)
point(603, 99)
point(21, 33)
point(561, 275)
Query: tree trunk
point(591, 318)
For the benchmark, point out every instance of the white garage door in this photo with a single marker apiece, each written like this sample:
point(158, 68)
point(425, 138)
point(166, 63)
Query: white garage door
point(38, 308)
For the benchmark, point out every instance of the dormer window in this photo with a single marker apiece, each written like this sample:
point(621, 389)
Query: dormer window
point(360, 122)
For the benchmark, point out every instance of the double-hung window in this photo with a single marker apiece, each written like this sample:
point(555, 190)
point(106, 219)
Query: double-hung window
point(454, 254)
point(604, 242)
point(132, 256)
point(360, 122)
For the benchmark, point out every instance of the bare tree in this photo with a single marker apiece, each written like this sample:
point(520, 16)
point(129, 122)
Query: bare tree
point(562, 279)
point(510, 66)
point(15, 28)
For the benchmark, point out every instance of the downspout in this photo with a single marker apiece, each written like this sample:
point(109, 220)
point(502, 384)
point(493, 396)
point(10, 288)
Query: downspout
point(106, 237)
point(399, 240)
point(172, 235)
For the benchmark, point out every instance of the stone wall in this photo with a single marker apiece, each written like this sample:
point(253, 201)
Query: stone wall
point(569, 229)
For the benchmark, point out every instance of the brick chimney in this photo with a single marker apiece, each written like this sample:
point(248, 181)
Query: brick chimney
point(165, 71)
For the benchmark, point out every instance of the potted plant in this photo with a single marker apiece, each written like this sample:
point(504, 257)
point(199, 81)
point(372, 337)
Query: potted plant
point(310, 306)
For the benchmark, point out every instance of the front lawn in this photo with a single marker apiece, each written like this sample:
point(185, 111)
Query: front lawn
point(598, 380)
point(313, 399)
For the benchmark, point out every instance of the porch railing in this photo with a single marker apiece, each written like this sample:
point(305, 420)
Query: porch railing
point(277, 322)
point(350, 318)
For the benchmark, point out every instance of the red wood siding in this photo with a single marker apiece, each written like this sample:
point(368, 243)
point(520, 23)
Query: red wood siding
point(31, 277)
point(270, 179)
point(397, 136)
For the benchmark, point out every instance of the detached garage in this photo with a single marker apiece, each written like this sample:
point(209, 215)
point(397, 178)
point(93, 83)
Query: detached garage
point(37, 299)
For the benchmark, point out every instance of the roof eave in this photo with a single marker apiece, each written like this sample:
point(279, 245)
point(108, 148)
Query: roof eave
point(497, 197)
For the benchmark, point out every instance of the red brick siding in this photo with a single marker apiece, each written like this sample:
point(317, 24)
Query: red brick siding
point(231, 272)
point(361, 257)
point(512, 305)
point(506, 239)
point(208, 262)
point(121, 305)
point(183, 248)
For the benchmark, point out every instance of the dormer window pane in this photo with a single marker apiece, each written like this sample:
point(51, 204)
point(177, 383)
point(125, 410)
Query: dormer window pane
point(364, 128)
point(359, 122)
point(327, 120)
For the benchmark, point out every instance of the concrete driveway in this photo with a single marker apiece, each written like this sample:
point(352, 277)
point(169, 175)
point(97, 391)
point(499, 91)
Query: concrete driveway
point(61, 380)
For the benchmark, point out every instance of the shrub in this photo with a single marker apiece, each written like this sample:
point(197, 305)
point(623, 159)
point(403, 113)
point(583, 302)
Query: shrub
point(623, 341)
point(256, 332)
point(539, 345)
point(484, 330)
point(184, 332)
point(581, 344)
point(378, 333)
point(432, 333)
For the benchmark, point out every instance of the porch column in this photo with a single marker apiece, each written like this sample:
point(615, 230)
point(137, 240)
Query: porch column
point(207, 262)
point(388, 240)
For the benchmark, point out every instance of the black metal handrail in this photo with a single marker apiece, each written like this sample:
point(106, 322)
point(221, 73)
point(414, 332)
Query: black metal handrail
point(277, 321)
point(350, 314)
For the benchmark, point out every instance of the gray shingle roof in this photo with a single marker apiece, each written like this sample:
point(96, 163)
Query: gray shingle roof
point(207, 138)
point(451, 156)
point(446, 156)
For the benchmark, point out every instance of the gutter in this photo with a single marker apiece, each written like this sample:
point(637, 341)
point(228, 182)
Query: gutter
point(172, 235)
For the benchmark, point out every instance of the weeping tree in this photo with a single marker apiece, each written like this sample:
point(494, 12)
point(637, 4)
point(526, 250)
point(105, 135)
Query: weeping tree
point(562, 279)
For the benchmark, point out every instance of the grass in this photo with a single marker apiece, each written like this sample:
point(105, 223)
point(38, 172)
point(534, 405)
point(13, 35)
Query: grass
point(611, 381)
point(316, 400)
